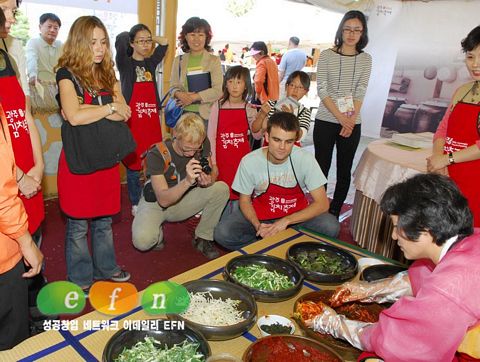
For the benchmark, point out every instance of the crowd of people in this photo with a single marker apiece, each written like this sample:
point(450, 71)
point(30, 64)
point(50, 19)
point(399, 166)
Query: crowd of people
point(234, 158)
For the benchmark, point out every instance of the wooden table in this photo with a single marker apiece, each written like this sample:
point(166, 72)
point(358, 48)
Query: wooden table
point(88, 345)
point(382, 164)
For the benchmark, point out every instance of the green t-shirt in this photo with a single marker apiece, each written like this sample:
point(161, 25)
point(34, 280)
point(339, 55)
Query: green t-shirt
point(194, 63)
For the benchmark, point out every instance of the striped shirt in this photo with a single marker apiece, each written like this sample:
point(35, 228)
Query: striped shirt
point(303, 116)
point(341, 75)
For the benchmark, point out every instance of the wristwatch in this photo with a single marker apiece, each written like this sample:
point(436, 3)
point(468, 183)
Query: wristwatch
point(451, 160)
point(112, 108)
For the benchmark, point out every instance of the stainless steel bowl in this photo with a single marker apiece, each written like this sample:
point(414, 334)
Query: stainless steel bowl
point(223, 290)
point(271, 263)
point(125, 338)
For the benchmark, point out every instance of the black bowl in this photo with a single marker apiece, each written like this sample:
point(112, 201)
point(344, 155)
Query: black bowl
point(349, 262)
point(125, 338)
point(271, 263)
point(260, 350)
point(224, 290)
point(380, 271)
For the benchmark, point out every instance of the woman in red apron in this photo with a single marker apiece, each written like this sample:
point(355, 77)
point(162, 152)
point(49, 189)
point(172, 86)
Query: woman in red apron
point(92, 197)
point(136, 66)
point(456, 147)
point(26, 144)
point(228, 128)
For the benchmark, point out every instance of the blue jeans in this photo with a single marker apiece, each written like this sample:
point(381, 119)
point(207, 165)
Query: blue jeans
point(134, 186)
point(82, 269)
point(235, 232)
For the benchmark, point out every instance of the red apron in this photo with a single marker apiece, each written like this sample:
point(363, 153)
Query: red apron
point(144, 123)
point(232, 144)
point(279, 201)
point(462, 132)
point(88, 195)
point(13, 102)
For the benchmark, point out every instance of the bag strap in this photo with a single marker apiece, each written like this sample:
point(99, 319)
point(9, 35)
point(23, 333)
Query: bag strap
point(77, 84)
point(164, 152)
point(167, 157)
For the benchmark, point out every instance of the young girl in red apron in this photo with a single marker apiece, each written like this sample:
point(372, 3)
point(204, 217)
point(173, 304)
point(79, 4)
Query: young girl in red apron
point(13, 102)
point(89, 198)
point(229, 126)
point(137, 76)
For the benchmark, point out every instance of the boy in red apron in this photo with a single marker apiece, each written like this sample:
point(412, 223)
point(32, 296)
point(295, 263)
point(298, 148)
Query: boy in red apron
point(136, 66)
point(270, 182)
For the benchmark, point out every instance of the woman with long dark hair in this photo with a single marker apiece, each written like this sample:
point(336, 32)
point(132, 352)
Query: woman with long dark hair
point(342, 79)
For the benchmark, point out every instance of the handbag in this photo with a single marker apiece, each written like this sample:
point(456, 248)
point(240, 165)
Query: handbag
point(98, 145)
point(171, 110)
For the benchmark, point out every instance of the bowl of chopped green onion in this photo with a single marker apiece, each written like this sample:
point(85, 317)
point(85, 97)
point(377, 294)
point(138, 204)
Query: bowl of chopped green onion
point(162, 344)
point(218, 309)
point(268, 278)
point(323, 263)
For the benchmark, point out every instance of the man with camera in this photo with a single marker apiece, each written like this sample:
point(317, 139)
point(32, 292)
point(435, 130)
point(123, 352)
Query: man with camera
point(179, 185)
point(271, 183)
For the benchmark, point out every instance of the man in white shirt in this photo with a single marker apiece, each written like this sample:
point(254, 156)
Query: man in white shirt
point(43, 52)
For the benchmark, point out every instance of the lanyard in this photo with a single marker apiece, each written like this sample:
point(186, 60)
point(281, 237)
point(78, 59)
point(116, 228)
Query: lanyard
point(340, 73)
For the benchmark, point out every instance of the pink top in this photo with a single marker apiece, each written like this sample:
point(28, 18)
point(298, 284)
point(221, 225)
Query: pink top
point(430, 325)
point(213, 122)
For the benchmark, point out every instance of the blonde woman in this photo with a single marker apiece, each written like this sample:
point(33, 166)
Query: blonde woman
point(89, 93)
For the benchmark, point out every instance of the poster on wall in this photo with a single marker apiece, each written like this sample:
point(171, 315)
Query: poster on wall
point(429, 67)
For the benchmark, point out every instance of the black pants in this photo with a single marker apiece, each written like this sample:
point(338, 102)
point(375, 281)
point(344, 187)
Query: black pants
point(325, 136)
point(13, 307)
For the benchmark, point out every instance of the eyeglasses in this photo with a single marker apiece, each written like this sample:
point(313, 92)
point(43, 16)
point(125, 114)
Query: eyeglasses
point(355, 31)
point(143, 41)
point(293, 86)
point(190, 150)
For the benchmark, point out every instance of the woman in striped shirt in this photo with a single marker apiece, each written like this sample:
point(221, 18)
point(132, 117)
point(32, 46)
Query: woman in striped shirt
point(342, 78)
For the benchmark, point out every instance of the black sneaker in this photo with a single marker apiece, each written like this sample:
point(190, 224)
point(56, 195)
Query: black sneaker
point(123, 276)
point(206, 247)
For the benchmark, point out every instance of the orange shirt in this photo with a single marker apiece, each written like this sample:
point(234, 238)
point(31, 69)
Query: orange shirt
point(266, 68)
point(13, 218)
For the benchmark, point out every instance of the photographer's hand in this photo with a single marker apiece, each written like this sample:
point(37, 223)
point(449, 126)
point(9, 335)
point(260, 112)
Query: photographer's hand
point(193, 170)
point(204, 180)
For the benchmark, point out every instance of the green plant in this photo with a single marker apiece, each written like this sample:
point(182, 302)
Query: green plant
point(21, 27)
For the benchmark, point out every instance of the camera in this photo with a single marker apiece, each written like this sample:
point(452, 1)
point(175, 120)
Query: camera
point(205, 165)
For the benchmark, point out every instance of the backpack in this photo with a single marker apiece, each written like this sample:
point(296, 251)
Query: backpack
point(148, 192)
point(167, 157)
